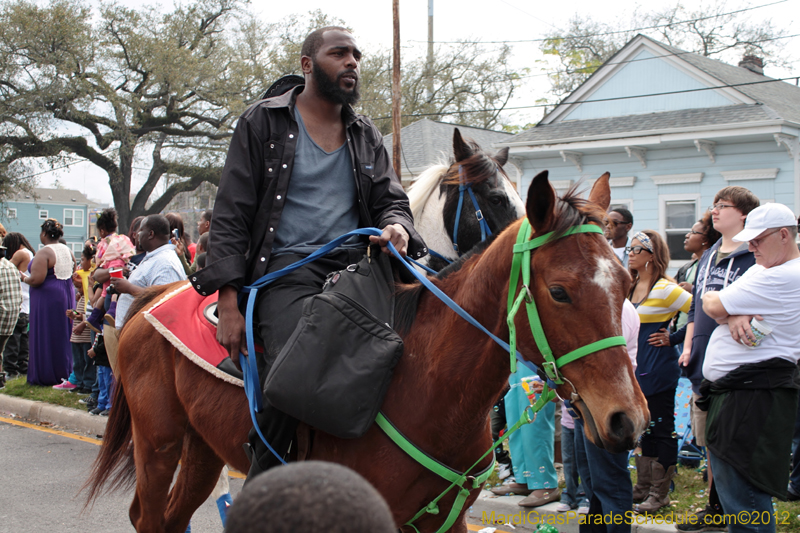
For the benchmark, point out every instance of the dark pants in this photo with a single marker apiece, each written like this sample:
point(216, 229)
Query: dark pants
point(278, 311)
point(15, 355)
point(498, 417)
point(607, 483)
point(659, 440)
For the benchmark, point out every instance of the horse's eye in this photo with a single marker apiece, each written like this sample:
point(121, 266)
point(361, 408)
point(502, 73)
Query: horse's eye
point(496, 199)
point(560, 295)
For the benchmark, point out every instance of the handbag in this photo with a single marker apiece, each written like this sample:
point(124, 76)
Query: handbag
point(336, 367)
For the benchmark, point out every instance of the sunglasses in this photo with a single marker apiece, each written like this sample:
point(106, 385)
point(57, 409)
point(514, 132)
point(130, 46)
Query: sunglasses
point(636, 249)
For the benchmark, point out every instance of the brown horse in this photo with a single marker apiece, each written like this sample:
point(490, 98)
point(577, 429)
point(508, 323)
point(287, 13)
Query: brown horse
point(167, 409)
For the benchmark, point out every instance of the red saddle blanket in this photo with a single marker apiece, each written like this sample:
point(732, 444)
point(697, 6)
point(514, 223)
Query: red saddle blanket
point(179, 317)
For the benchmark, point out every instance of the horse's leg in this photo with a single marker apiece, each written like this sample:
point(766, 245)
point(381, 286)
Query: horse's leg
point(200, 469)
point(156, 461)
point(159, 423)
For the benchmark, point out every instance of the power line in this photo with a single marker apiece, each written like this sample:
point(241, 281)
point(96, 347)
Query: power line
point(796, 78)
point(671, 54)
point(615, 32)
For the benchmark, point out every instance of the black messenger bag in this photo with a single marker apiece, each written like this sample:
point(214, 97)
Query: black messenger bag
point(335, 369)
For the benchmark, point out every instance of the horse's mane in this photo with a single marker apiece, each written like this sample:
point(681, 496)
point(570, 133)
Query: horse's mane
point(478, 168)
point(571, 210)
point(425, 184)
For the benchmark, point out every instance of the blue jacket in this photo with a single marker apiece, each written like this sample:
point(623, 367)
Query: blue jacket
point(730, 268)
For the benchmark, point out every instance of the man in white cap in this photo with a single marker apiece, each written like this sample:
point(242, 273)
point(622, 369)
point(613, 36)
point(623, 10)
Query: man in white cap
point(751, 387)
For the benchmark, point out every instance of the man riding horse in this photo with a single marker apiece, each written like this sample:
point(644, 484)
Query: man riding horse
point(302, 169)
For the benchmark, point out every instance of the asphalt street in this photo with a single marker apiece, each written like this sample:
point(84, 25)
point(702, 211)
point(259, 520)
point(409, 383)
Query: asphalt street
point(40, 475)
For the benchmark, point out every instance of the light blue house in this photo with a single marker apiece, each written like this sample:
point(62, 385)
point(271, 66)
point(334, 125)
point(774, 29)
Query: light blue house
point(25, 213)
point(672, 128)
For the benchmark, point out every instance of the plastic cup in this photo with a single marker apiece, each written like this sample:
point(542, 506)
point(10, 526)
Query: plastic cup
point(115, 273)
point(760, 330)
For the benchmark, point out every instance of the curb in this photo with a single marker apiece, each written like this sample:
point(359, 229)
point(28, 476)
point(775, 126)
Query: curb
point(53, 414)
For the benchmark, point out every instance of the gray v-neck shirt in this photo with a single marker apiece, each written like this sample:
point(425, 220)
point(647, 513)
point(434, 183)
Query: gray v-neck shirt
point(321, 201)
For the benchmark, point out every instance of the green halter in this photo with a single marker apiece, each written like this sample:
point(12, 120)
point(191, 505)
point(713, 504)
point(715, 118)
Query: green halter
point(522, 264)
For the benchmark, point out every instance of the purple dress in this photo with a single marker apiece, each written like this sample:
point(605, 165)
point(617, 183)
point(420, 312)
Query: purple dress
point(50, 351)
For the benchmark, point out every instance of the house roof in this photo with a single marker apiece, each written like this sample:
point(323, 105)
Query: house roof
point(53, 196)
point(776, 100)
point(782, 97)
point(427, 142)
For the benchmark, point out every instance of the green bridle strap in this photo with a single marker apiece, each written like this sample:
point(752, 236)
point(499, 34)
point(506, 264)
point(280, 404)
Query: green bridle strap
point(455, 478)
point(521, 264)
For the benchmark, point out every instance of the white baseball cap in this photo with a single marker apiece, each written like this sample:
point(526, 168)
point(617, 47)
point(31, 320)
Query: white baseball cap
point(762, 218)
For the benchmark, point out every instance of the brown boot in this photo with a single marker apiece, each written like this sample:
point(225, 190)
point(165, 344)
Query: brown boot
point(659, 491)
point(644, 478)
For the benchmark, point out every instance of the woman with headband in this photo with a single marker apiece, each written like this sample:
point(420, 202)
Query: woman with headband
point(657, 299)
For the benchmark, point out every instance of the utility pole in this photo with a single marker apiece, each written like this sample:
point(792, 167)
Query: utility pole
point(430, 50)
point(396, 123)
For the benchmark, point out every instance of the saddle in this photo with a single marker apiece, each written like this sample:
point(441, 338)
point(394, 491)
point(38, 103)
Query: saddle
point(194, 334)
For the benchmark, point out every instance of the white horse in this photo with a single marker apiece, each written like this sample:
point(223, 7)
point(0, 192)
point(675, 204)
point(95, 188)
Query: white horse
point(434, 198)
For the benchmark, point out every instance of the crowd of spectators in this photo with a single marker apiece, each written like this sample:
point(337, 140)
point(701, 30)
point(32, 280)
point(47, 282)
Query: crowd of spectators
point(59, 318)
point(727, 322)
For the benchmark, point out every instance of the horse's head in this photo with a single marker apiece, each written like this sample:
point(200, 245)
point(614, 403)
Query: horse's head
point(579, 287)
point(436, 194)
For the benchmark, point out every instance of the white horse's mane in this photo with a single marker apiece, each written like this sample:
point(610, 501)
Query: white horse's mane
point(424, 185)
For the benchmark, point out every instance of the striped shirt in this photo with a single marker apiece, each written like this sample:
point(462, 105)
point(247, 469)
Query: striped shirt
point(657, 370)
point(86, 335)
point(664, 301)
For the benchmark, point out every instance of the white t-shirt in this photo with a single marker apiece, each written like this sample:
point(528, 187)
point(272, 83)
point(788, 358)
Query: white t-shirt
point(620, 252)
point(773, 293)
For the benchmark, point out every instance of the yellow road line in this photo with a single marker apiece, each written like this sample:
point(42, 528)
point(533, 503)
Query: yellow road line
point(52, 431)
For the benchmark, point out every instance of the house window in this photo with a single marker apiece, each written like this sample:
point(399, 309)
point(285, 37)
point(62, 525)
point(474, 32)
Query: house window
point(73, 217)
point(43, 214)
point(77, 248)
point(11, 212)
point(679, 217)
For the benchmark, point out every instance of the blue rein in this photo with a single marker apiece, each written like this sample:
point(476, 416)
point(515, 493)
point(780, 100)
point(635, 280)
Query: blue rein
point(252, 384)
point(485, 231)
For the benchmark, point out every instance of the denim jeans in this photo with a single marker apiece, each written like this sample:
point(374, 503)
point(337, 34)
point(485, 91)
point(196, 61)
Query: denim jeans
point(104, 382)
point(573, 495)
point(608, 486)
point(737, 494)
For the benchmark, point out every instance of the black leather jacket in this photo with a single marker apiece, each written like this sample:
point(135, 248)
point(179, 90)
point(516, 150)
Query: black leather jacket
point(253, 186)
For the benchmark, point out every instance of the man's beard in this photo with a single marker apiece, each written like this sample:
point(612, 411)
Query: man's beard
point(330, 88)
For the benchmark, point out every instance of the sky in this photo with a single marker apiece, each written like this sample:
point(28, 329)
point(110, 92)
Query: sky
point(485, 20)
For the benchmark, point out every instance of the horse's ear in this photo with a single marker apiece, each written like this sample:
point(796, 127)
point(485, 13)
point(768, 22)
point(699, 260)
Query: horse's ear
point(601, 192)
point(502, 157)
point(461, 150)
point(540, 206)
